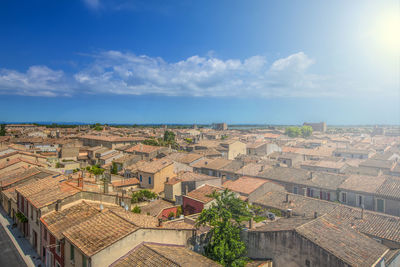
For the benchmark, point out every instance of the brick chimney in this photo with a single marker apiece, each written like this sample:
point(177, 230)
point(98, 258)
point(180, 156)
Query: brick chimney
point(58, 205)
point(80, 182)
point(159, 222)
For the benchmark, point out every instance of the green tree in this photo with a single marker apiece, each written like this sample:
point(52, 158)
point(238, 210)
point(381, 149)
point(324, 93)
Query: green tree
point(171, 215)
point(114, 168)
point(169, 137)
point(136, 209)
point(293, 131)
point(306, 131)
point(96, 170)
point(3, 130)
point(225, 217)
point(142, 195)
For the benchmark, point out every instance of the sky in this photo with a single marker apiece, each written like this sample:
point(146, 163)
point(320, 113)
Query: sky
point(259, 61)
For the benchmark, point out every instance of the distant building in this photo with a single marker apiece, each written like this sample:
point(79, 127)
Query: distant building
point(220, 126)
point(317, 127)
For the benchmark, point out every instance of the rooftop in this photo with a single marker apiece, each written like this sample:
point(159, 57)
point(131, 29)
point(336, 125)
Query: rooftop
point(245, 185)
point(154, 255)
point(59, 221)
point(346, 243)
point(202, 193)
point(99, 232)
point(155, 166)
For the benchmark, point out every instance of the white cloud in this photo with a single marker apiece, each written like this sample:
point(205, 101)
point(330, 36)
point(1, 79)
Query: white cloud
point(115, 72)
point(38, 80)
point(126, 73)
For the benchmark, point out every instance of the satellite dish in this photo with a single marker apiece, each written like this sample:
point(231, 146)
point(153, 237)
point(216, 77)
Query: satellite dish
point(126, 207)
point(122, 204)
point(101, 207)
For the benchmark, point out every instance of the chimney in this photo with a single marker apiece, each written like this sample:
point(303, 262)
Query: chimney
point(167, 180)
point(287, 198)
point(80, 182)
point(58, 205)
point(289, 213)
point(315, 215)
point(159, 222)
point(362, 212)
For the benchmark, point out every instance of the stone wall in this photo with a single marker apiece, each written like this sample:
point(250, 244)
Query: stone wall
point(288, 249)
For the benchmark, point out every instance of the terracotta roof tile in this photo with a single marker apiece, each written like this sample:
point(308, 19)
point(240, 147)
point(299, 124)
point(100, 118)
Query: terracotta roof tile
point(99, 232)
point(202, 193)
point(342, 241)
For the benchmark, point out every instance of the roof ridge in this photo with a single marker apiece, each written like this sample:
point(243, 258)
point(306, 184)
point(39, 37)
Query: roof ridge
point(119, 216)
point(144, 244)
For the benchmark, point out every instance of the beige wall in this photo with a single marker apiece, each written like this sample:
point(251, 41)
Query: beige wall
point(236, 149)
point(170, 191)
point(110, 254)
point(157, 179)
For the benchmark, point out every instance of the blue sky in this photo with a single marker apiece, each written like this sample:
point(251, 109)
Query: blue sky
point(280, 62)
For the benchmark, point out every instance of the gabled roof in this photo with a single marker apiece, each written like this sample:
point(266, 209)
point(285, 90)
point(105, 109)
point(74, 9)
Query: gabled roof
point(245, 185)
point(99, 232)
point(47, 191)
point(374, 224)
point(142, 148)
point(303, 177)
point(154, 255)
point(59, 221)
point(203, 192)
point(347, 244)
point(214, 164)
point(155, 166)
point(33, 172)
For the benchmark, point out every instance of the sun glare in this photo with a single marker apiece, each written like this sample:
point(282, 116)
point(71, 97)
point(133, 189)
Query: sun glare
point(387, 33)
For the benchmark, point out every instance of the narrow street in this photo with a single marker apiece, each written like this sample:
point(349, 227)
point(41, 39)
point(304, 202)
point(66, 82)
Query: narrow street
point(9, 255)
point(15, 250)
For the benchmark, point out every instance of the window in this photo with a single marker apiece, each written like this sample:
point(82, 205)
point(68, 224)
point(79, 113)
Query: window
point(295, 190)
point(45, 234)
point(344, 199)
point(140, 177)
point(72, 252)
point(57, 264)
point(58, 247)
point(310, 192)
point(328, 196)
point(380, 205)
point(84, 261)
point(149, 180)
point(360, 200)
